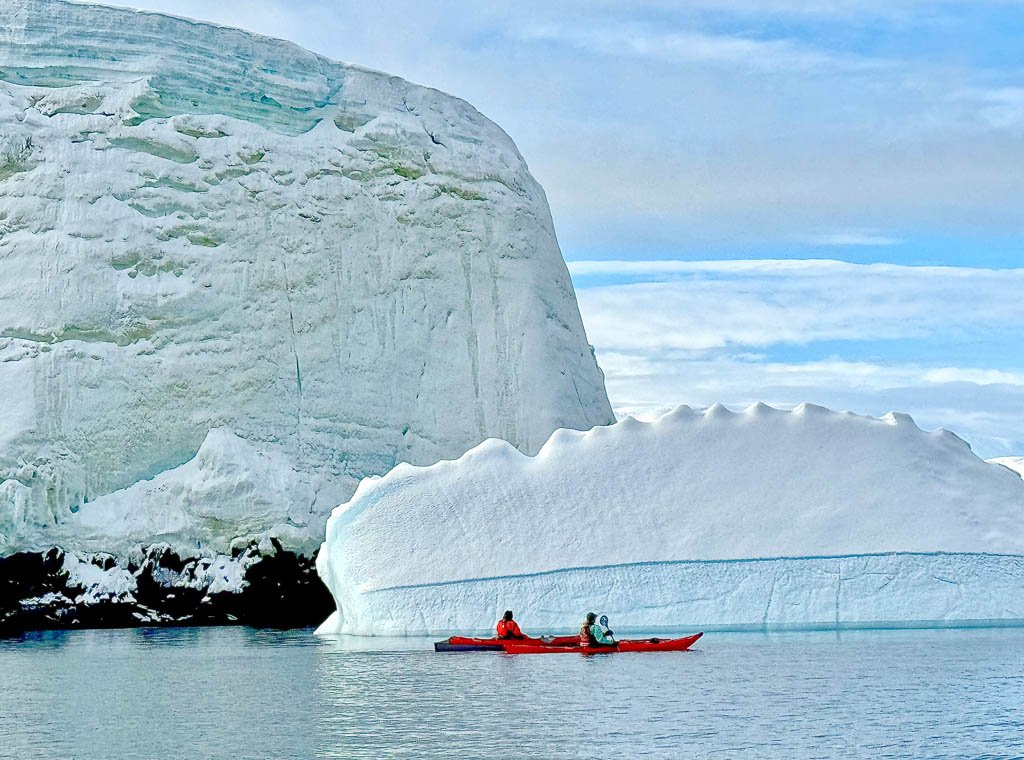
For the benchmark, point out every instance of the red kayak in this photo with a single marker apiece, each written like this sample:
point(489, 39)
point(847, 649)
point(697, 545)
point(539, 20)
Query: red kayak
point(469, 644)
point(628, 645)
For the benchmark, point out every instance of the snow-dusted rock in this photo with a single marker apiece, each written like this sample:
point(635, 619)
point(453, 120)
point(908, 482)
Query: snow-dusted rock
point(261, 585)
point(332, 269)
point(759, 518)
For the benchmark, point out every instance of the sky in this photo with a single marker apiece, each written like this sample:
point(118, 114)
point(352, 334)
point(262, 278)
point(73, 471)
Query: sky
point(775, 200)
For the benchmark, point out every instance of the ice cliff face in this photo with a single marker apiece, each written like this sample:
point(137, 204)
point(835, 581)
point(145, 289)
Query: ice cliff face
point(202, 230)
point(759, 519)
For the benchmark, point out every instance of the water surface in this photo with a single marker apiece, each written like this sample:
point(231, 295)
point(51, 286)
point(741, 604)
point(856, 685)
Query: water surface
point(243, 693)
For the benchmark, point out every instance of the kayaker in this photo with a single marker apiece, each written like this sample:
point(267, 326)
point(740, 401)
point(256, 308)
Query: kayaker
point(508, 628)
point(592, 635)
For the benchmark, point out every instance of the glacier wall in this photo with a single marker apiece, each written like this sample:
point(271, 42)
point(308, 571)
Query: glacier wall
point(206, 230)
point(868, 590)
point(764, 518)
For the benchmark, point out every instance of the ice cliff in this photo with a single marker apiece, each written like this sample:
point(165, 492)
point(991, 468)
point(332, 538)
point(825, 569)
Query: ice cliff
point(236, 278)
point(760, 519)
point(205, 230)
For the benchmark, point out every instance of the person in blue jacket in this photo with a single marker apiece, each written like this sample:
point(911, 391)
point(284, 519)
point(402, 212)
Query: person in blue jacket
point(592, 634)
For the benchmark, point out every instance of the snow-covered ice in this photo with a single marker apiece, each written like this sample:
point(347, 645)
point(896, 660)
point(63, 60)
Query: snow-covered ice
point(236, 277)
point(760, 518)
point(1014, 463)
point(231, 492)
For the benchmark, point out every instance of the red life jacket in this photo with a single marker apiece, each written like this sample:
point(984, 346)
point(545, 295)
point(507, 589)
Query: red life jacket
point(586, 637)
point(509, 629)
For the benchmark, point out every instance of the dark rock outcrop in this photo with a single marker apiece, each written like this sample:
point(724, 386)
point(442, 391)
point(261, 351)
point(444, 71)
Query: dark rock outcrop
point(56, 589)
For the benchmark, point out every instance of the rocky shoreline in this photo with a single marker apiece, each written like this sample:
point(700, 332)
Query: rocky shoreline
point(263, 586)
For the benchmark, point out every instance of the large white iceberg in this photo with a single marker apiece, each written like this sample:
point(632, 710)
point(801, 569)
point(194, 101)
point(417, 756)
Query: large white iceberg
point(764, 518)
point(206, 230)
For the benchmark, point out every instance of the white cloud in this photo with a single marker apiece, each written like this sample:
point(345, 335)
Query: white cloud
point(838, 9)
point(974, 376)
point(697, 306)
point(988, 416)
point(851, 238)
point(688, 47)
point(725, 331)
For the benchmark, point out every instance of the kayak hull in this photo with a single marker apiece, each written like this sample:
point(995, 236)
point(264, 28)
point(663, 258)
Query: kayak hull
point(628, 645)
point(471, 644)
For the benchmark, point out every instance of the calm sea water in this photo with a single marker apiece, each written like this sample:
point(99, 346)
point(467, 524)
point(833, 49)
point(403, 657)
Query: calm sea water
point(240, 693)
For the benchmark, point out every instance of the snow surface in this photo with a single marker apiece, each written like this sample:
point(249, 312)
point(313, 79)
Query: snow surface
point(230, 482)
point(1014, 463)
point(764, 517)
point(219, 249)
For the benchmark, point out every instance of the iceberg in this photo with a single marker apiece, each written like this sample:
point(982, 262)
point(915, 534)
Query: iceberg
point(759, 519)
point(237, 277)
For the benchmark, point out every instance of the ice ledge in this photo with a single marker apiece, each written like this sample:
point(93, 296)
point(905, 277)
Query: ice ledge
point(853, 591)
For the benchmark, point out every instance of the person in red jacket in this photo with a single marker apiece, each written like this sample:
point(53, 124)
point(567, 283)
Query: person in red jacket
point(509, 628)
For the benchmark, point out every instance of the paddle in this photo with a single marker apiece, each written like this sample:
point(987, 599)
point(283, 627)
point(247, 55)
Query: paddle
point(603, 621)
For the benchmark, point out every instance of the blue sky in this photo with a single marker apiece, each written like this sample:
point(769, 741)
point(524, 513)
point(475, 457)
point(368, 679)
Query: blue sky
point(758, 132)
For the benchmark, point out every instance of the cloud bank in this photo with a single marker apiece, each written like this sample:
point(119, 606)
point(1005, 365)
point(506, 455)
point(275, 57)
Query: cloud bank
point(942, 343)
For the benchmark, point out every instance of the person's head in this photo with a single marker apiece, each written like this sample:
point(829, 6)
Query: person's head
point(507, 616)
point(591, 617)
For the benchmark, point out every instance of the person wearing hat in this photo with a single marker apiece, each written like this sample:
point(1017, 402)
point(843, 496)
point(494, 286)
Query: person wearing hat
point(592, 634)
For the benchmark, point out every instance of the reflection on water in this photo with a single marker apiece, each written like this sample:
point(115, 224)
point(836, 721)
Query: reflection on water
point(238, 692)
